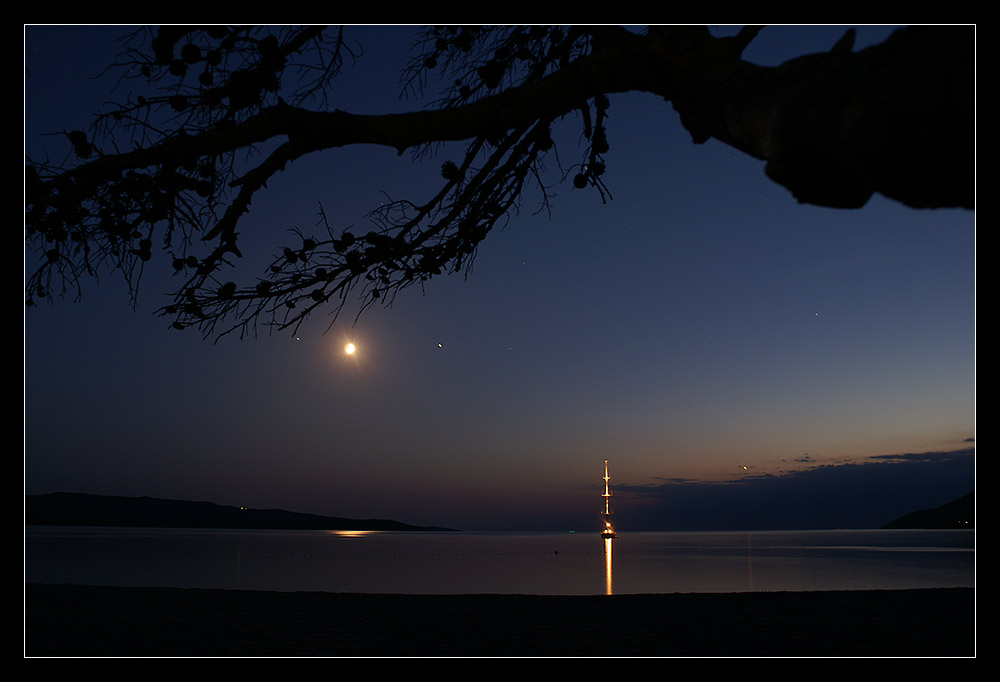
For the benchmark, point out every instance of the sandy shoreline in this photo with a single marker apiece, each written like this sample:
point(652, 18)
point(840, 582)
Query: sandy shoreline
point(67, 620)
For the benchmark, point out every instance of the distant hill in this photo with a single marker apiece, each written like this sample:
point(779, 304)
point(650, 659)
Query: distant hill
point(960, 513)
point(79, 509)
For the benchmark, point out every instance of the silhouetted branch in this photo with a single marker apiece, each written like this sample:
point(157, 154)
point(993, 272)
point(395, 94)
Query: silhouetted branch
point(834, 128)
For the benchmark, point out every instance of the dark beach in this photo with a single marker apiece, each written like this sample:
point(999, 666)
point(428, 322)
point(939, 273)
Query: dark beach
point(68, 620)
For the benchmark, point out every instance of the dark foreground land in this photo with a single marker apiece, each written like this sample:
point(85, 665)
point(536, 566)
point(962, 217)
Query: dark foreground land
point(66, 620)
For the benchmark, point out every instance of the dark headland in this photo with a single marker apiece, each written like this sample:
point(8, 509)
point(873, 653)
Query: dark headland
point(80, 509)
point(957, 514)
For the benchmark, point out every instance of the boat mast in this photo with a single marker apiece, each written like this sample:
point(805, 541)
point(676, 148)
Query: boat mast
point(609, 531)
point(607, 492)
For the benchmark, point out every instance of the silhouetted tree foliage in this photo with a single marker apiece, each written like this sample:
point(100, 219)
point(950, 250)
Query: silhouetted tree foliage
point(163, 171)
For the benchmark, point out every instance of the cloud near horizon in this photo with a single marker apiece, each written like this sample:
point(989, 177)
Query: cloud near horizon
point(866, 494)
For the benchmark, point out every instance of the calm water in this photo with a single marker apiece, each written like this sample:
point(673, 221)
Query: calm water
point(524, 563)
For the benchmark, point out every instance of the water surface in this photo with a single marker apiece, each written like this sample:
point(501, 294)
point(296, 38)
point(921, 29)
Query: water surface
point(504, 563)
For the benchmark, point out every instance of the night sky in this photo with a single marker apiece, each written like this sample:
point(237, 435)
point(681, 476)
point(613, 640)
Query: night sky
point(741, 360)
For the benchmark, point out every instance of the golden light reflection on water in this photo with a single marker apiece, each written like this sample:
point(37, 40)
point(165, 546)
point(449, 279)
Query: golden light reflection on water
point(607, 565)
point(352, 533)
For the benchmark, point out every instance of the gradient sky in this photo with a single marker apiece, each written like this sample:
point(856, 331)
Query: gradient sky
point(742, 360)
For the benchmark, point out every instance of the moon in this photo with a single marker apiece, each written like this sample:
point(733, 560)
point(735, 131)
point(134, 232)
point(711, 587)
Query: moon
point(350, 348)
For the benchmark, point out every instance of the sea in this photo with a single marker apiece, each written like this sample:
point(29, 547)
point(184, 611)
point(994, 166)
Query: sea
point(501, 563)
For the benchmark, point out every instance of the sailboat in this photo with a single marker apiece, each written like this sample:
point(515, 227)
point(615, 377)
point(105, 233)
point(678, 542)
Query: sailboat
point(609, 530)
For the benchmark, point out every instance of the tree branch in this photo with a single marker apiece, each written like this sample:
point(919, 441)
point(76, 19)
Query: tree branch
point(834, 128)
